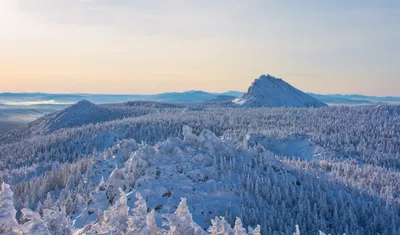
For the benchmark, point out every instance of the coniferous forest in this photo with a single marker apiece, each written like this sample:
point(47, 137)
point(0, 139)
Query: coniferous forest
point(153, 168)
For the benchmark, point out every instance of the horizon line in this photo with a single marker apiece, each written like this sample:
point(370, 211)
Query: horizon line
point(180, 92)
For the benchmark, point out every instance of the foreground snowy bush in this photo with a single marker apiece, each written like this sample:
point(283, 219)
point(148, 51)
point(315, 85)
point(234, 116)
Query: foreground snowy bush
point(116, 220)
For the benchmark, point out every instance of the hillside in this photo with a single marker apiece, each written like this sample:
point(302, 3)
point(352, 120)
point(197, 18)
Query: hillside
point(79, 114)
point(269, 91)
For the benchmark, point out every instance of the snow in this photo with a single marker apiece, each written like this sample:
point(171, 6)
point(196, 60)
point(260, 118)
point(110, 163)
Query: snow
point(296, 146)
point(164, 174)
point(181, 169)
point(269, 91)
point(279, 175)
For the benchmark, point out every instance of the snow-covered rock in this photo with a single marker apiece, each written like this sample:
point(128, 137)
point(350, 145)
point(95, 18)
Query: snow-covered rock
point(269, 91)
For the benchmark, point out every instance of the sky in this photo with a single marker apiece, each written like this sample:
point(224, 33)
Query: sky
point(153, 46)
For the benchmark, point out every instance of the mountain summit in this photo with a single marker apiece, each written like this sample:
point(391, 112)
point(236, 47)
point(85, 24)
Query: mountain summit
point(269, 91)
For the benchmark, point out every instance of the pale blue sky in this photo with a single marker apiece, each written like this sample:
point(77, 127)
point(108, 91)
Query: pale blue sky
point(122, 46)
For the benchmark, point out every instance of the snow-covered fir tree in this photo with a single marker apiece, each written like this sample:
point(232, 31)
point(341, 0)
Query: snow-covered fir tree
point(8, 222)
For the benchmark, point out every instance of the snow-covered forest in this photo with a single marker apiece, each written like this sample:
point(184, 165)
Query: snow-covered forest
point(158, 168)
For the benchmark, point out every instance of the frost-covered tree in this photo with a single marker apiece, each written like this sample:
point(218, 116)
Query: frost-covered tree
point(33, 223)
point(138, 221)
point(8, 223)
point(220, 227)
point(183, 213)
point(176, 226)
point(182, 222)
point(256, 231)
point(56, 222)
point(116, 218)
point(152, 226)
point(238, 229)
point(297, 230)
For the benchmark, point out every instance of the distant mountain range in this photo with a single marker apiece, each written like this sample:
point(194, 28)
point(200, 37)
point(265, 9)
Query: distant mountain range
point(193, 96)
point(45, 100)
point(356, 99)
point(19, 108)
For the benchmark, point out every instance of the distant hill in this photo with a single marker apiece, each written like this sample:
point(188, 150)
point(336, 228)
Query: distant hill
point(223, 98)
point(187, 97)
point(338, 99)
point(269, 91)
point(334, 100)
point(232, 93)
point(79, 114)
